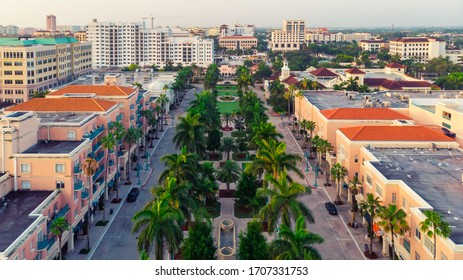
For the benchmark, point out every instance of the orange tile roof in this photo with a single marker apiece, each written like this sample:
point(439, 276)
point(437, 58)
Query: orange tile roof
point(99, 90)
point(323, 72)
point(395, 65)
point(363, 114)
point(355, 71)
point(64, 105)
point(393, 133)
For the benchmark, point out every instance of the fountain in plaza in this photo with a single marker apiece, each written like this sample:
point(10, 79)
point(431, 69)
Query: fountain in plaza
point(227, 240)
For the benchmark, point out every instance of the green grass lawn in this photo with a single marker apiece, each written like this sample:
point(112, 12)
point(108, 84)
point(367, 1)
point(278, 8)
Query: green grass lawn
point(227, 92)
point(227, 107)
point(227, 87)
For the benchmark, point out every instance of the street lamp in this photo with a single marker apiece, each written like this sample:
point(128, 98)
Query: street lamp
point(173, 117)
point(316, 169)
point(147, 161)
point(306, 155)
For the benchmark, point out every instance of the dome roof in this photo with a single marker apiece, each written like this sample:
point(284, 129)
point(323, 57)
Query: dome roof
point(156, 86)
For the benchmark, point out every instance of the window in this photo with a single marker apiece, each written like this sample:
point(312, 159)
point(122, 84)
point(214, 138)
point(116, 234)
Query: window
point(443, 256)
point(26, 185)
point(379, 190)
point(356, 159)
point(429, 245)
point(404, 204)
point(71, 134)
point(446, 115)
point(369, 180)
point(25, 168)
point(417, 256)
point(417, 233)
point(394, 198)
point(59, 168)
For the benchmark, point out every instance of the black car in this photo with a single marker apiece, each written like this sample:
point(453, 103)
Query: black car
point(331, 208)
point(133, 194)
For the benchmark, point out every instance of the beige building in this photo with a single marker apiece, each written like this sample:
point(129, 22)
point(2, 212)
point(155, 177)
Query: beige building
point(238, 42)
point(327, 37)
point(290, 38)
point(418, 48)
point(373, 45)
point(81, 36)
point(39, 64)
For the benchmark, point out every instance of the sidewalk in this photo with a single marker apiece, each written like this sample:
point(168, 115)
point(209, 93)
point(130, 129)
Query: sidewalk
point(344, 235)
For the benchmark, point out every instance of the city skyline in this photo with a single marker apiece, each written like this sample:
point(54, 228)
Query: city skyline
point(360, 13)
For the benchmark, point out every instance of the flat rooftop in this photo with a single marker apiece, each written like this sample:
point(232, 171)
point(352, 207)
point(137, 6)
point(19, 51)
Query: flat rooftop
point(14, 216)
point(326, 99)
point(75, 118)
point(436, 176)
point(53, 147)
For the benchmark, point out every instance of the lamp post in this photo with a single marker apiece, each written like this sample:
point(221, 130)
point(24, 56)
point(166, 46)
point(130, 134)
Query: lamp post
point(316, 169)
point(173, 117)
point(306, 155)
point(147, 161)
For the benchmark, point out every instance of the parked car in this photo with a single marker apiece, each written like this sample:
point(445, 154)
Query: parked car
point(331, 208)
point(133, 194)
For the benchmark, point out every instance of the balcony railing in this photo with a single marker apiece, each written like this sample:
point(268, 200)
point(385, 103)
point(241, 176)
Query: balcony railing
point(139, 124)
point(93, 134)
point(78, 185)
point(42, 245)
point(96, 147)
point(77, 169)
point(99, 156)
point(98, 172)
point(85, 194)
point(51, 242)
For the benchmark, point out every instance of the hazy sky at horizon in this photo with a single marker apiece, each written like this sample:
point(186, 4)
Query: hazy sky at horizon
point(262, 13)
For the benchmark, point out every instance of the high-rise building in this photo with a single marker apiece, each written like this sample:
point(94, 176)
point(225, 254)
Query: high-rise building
point(121, 44)
point(51, 23)
point(290, 38)
point(9, 30)
point(237, 30)
point(39, 64)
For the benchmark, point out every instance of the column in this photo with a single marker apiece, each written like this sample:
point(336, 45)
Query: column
point(71, 241)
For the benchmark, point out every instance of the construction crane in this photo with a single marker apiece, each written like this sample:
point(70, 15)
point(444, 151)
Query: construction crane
point(153, 18)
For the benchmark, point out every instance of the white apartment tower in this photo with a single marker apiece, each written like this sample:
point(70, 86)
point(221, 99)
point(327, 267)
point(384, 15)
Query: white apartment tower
point(290, 38)
point(121, 44)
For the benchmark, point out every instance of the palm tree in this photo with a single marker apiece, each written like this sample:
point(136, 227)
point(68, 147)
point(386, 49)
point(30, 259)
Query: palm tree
point(226, 119)
point(89, 168)
point(299, 95)
point(264, 131)
point(393, 220)
point(284, 205)
point(294, 91)
point(131, 137)
point(244, 79)
point(159, 226)
point(297, 244)
point(146, 116)
point(163, 100)
point(434, 226)
point(108, 142)
point(372, 206)
point(323, 146)
point(228, 145)
point(354, 188)
point(272, 158)
point(338, 172)
point(153, 123)
point(57, 228)
point(352, 83)
point(228, 173)
point(310, 126)
point(304, 84)
point(183, 167)
point(118, 131)
point(190, 133)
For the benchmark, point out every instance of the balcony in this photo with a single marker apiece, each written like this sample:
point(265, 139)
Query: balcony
point(140, 97)
point(99, 156)
point(61, 213)
point(51, 242)
point(85, 194)
point(120, 153)
point(111, 163)
point(96, 147)
point(93, 134)
point(119, 117)
point(132, 117)
point(132, 106)
point(78, 185)
point(98, 172)
point(139, 124)
point(140, 106)
point(42, 245)
point(77, 169)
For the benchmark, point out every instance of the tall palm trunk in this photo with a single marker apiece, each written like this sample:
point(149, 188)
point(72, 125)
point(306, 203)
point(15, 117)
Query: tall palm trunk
point(392, 240)
point(435, 244)
point(60, 250)
point(129, 163)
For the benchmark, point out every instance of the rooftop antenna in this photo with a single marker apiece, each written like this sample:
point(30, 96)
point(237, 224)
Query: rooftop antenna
point(152, 18)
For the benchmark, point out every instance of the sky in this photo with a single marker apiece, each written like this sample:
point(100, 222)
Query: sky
point(262, 13)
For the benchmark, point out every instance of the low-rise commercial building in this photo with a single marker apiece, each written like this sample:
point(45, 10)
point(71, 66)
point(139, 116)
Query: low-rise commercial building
point(373, 45)
point(417, 48)
point(238, 42)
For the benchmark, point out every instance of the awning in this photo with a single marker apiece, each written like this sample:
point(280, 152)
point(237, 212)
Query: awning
point(377, 230)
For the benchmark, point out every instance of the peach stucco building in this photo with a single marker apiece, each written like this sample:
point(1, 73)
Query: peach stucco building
point(44, 143)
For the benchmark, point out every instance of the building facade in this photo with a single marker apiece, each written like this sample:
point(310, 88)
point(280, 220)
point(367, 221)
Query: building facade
point(238, 42)
point(418, 48)
point(290, 38)
point(51, 23)
point(122, 44)
point(9, 30)
point(373, 45)
point(328, 37)
point(27, 66)
point(237, 30)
